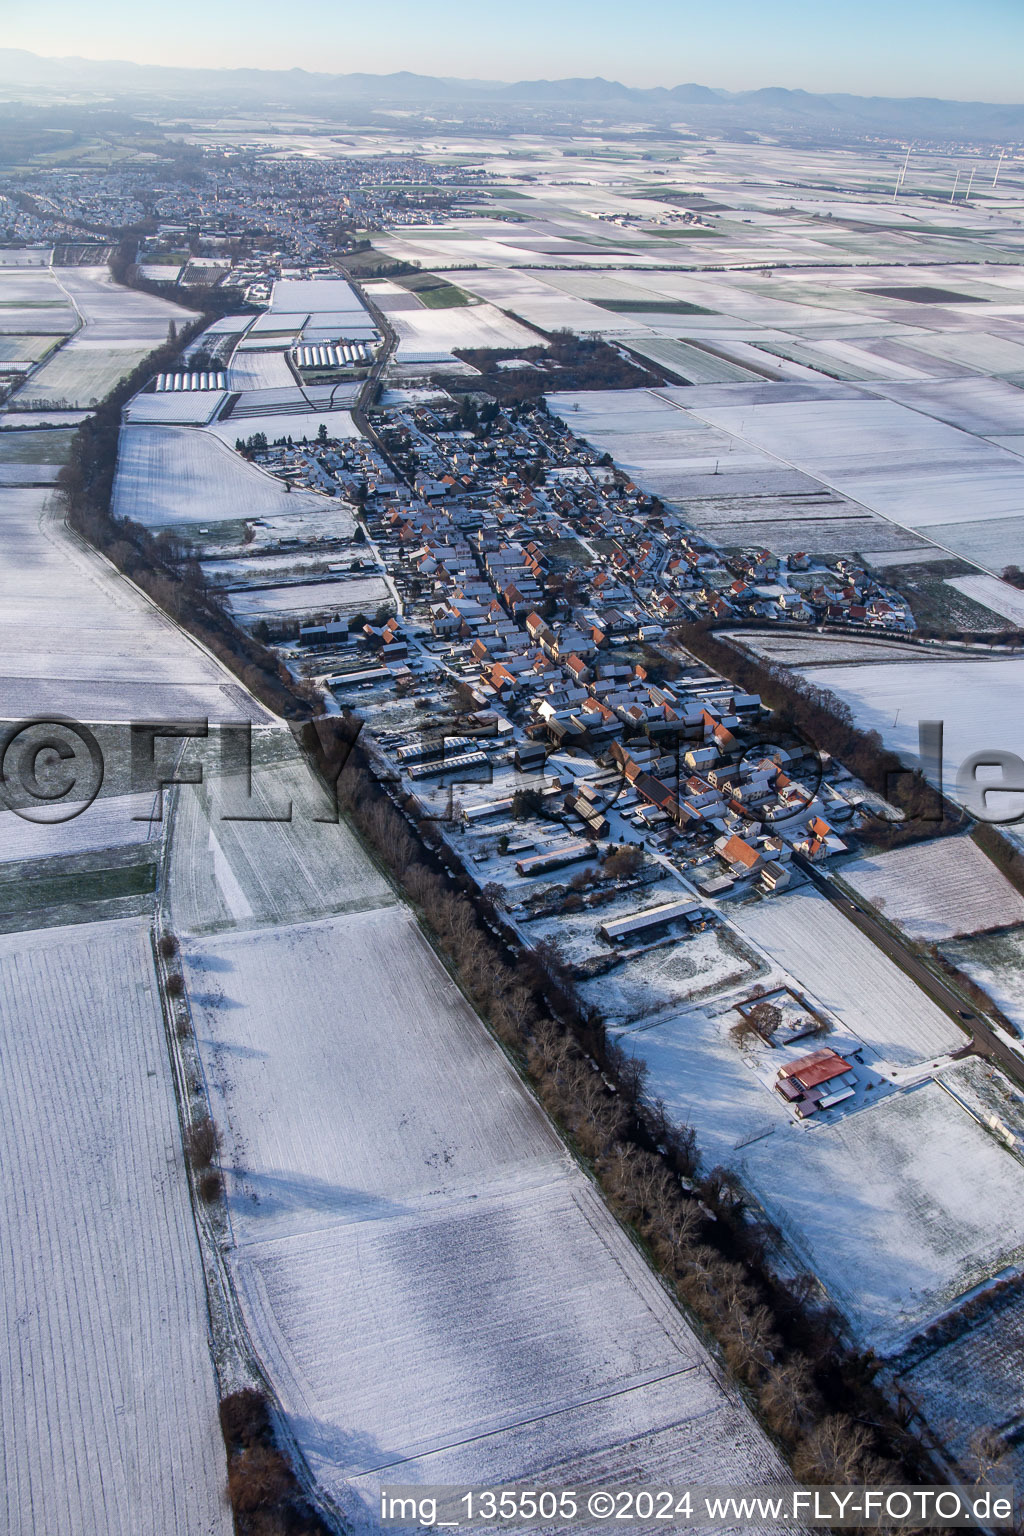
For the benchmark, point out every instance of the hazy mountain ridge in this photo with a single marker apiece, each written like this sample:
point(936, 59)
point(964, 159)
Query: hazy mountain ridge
point(770, 107)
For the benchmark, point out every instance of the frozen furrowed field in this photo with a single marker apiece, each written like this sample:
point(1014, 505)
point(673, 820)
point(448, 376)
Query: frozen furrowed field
point(899, 1209)
point(937, 890)
point(839, 965)
point(77, 639)
point(107, 1396)
point(171, 475)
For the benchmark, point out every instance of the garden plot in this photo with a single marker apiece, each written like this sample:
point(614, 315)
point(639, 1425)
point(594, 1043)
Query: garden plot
point(173, 475)
point(431, 335)
point(899, 1210)
point(427, 1276)
point(663, 980)
point(937, 890)
point(77, 639)
point(837, 964)
point(106, 1387)
point(81, 373)
point(356, 595)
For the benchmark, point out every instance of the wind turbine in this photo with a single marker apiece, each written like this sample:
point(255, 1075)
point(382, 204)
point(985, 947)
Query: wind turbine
point(999, 166)
point(902, 174)
point(970, 184)
point(955, 184)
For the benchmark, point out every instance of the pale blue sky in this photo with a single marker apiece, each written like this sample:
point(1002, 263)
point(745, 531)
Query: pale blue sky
point(871, 47)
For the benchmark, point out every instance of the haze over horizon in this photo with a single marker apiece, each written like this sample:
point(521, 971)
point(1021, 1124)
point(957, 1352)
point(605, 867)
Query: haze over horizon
point(864, 47)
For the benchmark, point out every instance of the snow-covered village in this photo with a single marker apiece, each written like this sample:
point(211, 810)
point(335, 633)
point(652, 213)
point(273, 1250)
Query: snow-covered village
point(511, 869)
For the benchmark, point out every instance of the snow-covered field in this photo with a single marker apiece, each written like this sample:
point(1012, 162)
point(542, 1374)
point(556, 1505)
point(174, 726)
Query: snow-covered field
point(259, 370)
point(78, 640)
point(937, 889)
point(109, 822)
point(841, 967)
point(996, 962)
point(82, 372)
point(967, 1386)
point(295, 425)
point(427, 1273)
point(266, 870)
point(431, 335)
point(114, 314)
point(171, 475)
point(898, 1209)
point(992, 593)
point(974, 700)
point(529, 296)
point(695, 364)
point(107, 1393)
point(183, 407)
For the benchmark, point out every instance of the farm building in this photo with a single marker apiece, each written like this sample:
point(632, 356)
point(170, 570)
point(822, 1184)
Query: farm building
point(643, 922)
point(818, 1081)
point(554, 858)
